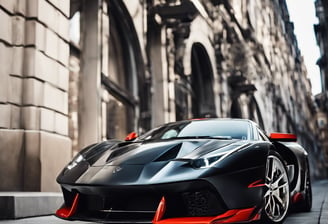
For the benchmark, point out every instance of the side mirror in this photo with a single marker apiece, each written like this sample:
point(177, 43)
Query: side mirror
point(131, 136)
point(283, 137)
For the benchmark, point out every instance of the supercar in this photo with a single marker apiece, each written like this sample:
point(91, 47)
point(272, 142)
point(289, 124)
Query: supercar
point(207, 171)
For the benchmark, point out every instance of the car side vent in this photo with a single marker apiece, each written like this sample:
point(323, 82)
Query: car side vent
point(170, 154)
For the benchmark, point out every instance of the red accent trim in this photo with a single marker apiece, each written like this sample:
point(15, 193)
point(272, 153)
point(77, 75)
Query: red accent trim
point(283, 137)
point(297, 198)
point(258, 183)
point(160, 211)
point(256, 217)
point(231, 216)
point(67, 212)
point(239, 216)
point(131, 136)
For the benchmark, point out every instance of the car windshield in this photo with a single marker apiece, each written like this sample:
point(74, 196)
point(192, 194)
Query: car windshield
point(221, 129)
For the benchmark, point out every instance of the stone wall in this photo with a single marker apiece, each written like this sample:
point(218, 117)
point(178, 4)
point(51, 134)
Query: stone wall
point(34, 55)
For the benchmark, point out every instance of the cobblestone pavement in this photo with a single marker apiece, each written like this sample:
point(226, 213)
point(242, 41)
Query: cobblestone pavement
point(318, 215)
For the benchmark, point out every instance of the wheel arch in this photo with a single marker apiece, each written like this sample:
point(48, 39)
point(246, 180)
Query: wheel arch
point(290, 159)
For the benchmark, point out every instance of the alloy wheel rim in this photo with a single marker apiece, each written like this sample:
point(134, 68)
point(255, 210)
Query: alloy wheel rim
point(276, 197)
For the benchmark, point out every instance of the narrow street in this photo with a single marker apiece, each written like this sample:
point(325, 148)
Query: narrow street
point(318, 215)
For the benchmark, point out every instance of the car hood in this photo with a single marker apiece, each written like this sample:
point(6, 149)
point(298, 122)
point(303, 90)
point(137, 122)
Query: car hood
point(141, 153)
point(140, 163)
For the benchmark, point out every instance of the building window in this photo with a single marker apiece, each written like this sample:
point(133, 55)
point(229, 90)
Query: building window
point(119, 82)
point(121, 106)
point(321, 123)
point(203, 103)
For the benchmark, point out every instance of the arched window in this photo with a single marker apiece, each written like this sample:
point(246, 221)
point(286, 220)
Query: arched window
point(120, 98)
point(203, 104)
point(120, 110)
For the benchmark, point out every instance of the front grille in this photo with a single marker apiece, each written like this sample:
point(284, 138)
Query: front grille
point(118, 206)
point(120, 202)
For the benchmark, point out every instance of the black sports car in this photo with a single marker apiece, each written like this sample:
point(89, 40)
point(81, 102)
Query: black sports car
point(195, 171)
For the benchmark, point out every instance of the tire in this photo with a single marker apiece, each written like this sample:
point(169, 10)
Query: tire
point(276, 196)
point(306, 204)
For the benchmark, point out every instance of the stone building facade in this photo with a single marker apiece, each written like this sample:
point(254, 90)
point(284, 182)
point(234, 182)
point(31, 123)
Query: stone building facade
point(34, 74)
point(77, 72)
point(321, 31)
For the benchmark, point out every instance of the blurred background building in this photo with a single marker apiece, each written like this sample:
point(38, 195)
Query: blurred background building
point(77, 72)
point(321, 31)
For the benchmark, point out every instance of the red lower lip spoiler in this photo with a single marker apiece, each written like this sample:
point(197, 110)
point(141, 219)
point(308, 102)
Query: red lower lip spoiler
point(231, 216)
point(67, 212)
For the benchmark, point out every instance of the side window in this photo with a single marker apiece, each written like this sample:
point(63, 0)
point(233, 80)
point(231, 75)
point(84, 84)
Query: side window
point(256, 134)
point(170, 134)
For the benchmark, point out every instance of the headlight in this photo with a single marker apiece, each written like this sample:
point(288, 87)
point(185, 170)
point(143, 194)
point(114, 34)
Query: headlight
point(214, 158)
point(205, 162)
point(77, 159)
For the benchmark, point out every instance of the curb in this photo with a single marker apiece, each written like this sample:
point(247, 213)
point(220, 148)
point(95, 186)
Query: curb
point(14, 205)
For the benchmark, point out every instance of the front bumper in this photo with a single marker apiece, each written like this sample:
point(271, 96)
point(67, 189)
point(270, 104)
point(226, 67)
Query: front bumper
point(224, 198)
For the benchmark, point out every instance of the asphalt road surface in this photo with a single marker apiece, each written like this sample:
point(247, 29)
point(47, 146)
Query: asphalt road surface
point(318, 215)
point(319, 212)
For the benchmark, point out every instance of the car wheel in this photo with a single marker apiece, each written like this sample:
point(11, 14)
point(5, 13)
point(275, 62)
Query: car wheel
point(276, 195)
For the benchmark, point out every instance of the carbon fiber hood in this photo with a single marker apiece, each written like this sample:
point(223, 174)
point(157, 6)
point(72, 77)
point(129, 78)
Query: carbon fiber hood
point(144, 153)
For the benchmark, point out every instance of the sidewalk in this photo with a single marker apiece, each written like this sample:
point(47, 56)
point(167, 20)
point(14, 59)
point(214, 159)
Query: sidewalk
point(14, 205)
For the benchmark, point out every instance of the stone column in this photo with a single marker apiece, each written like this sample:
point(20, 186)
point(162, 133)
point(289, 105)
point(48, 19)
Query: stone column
point(90, 79)
point(163, 107)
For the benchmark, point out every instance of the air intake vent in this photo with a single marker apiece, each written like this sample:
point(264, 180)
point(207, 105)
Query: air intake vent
point(170, 154)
